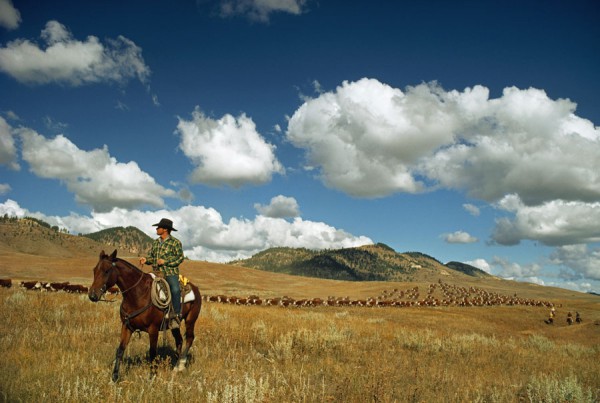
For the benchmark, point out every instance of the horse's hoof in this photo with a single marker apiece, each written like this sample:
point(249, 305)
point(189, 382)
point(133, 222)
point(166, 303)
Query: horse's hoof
point(180, 366)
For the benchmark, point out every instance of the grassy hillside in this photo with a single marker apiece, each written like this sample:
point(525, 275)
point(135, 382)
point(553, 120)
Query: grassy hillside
point(366, 263)
point(128, 239)
point(36, 237)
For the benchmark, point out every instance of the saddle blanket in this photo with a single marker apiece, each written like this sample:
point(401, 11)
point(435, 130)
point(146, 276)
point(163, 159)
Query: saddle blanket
point(186, 292)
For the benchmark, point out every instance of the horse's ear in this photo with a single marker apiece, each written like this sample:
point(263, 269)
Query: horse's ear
point(113, 255)
point(102, 254)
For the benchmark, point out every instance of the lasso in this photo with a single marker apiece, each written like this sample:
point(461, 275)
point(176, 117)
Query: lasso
point(160, 282)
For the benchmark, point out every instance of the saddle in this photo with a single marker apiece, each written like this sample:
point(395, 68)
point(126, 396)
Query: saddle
point(161, 293)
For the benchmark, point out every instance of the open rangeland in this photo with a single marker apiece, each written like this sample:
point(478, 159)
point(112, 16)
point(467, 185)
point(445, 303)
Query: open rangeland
point(58, 346)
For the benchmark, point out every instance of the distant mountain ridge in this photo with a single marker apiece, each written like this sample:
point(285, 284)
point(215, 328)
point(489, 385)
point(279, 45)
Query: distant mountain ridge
point(129, 239)
point(377, 262)
point(36, 237)
point(467, 269)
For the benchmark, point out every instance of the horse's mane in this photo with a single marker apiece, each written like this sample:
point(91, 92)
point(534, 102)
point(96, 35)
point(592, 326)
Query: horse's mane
point(131, 266)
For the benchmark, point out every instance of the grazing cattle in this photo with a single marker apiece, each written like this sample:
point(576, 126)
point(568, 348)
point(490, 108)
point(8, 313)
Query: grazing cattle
point(76, 288)
point(5, 282)
point(47, 287)
point(254, 300)
point(59, 286)
point(286, 301)
point(272, 301)
point(31, 285)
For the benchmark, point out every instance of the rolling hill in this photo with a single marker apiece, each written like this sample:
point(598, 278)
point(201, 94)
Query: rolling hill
point(128, 239)
point(366, 263)
point(376, 262)
point(35, 237)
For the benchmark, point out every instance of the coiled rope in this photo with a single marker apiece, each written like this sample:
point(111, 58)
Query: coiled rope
point(161, 283)
point(158, 284)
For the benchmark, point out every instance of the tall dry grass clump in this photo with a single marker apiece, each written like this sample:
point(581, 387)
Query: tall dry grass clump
point(60, 347)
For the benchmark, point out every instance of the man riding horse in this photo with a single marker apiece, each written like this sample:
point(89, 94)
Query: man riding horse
point(165, 257)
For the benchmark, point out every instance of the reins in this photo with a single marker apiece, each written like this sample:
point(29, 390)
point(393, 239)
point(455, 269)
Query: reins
point(114, 265)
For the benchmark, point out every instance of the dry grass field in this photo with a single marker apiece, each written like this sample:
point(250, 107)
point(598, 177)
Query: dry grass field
point(60, 347)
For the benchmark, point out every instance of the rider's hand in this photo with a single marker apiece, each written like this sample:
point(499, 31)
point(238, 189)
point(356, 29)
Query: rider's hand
point(142, 260)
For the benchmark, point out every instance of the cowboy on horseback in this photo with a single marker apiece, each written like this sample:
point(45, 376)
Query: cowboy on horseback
point(165, 257)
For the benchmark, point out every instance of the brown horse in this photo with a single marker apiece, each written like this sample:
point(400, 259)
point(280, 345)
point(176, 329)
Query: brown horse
point(137, 310)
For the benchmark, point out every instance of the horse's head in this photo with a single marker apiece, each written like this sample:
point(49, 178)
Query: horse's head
point(105, 275)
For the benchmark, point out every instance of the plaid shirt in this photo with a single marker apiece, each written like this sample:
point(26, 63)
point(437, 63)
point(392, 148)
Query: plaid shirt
point(171, 251)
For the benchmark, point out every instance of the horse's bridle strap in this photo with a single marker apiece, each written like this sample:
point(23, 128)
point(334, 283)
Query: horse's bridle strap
point(127, 317)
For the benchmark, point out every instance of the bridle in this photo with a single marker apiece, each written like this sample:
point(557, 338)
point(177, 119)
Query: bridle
point(104, 288)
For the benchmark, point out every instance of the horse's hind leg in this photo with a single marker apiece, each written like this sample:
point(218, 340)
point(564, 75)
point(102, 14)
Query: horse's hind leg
point(189, 338)
point(190, 322)
point(125, 336)
point(178, 340)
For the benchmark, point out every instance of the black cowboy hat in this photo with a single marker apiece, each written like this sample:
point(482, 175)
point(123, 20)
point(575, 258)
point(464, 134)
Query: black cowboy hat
point(165, 223)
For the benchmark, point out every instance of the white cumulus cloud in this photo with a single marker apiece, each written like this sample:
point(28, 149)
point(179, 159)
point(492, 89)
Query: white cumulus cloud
point(227, 151)
point(279, 207)
point(367, 137)
point(95, 177)
point(10, 17)
point(554, 223)
point(4, 188)
point(460, 237)
point(582, 261)
point(370, 140)
point(472, 209)
point(12, 209)
point(260, 10)
point(523, 143)
point(516, 271)
point(65, 60)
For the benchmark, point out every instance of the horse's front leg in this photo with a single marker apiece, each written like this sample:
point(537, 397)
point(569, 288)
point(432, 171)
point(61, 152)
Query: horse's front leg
point(153, 334)
point(125, 336)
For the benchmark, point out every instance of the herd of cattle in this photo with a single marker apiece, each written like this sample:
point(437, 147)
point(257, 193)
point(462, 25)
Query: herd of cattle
point(440, 294)
point(52, 286)
point(449, 295)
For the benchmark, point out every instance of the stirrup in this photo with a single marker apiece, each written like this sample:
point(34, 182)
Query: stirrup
point(175, 322)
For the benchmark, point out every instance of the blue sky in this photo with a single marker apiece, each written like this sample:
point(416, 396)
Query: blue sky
point(465, 130)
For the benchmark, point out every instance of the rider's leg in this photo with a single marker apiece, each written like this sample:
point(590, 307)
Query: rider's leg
point(175, 292)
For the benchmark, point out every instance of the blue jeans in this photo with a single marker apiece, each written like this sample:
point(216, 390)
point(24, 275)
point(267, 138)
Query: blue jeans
point(175, 292)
